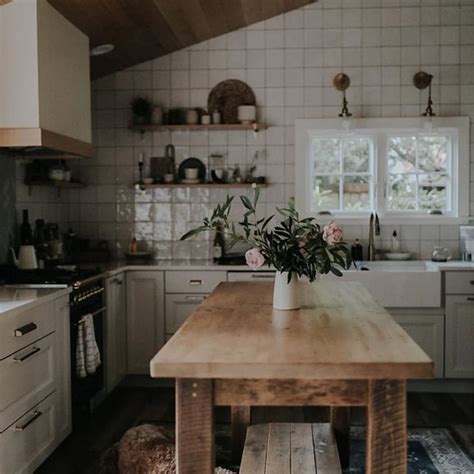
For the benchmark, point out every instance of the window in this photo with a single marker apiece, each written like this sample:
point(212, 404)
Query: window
point(395, 167)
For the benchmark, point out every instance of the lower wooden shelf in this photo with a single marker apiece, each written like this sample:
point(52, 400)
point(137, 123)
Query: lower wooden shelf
point(59, 185)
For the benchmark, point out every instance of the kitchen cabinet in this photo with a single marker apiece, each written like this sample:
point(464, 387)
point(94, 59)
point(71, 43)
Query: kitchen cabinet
point(185, 291)
point(115, 331)
point(426, 328)
point(460, 336)
point(35, 399)
point(145, 319)
point(179, 308)
point(459, 305)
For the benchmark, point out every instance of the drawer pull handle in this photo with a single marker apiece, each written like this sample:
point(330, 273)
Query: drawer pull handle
point(34, 417)
point(470, 298)
point(471, 282)
point(27, 356)
point(25, 329)
point(195, 298)
point(117, 281)
point(195, 282)
point(256, 275)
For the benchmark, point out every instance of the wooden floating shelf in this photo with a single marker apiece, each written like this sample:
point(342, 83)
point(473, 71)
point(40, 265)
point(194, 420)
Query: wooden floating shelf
point(200, 185)
point(213, 126)
point(57, 184)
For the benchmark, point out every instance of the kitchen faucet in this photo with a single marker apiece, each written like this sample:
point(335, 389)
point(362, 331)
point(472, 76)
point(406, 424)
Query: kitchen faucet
point(373, 230)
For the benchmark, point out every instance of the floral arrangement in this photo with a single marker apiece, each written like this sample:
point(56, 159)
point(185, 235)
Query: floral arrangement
point(295, 245)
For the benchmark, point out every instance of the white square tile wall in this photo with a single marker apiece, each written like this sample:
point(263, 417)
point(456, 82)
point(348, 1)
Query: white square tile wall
point(290, 62)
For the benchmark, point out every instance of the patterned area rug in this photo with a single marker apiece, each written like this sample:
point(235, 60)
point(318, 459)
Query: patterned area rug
point(430, 451)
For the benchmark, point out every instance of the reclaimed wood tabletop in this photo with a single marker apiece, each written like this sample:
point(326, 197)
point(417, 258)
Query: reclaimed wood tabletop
point(339, 332)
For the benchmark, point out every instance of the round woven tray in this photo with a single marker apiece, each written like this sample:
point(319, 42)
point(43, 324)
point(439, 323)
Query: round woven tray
point(226, 97)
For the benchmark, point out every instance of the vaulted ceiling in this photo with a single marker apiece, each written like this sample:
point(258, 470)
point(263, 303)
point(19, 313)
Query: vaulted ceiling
point(145, 29)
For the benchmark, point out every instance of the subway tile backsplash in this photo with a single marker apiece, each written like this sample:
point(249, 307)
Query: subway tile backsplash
point(289, 61)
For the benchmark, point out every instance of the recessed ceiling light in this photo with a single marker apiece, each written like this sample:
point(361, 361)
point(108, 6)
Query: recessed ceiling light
point(101, 49)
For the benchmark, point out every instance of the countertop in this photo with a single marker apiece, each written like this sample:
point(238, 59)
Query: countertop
point(12, 299)
point(112, 268)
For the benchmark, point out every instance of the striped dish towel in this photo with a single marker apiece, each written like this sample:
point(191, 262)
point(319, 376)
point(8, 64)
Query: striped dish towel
point(87, 352)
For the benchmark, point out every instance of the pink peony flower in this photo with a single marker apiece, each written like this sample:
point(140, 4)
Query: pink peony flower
point(254, 258)
point(332, 233)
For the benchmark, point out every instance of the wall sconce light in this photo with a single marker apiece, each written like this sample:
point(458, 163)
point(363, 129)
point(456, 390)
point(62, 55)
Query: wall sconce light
point(342, 82)
point(422, 80)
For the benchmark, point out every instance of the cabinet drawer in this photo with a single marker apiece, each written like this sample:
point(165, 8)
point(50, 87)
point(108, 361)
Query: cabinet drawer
point(19, 330)
point(250, 276)
point(26, 377)
point(25, 444)
point(459, 283)
point(193, 281)
point(179, 308)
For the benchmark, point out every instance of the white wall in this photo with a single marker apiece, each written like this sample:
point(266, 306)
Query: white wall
point(290, 62)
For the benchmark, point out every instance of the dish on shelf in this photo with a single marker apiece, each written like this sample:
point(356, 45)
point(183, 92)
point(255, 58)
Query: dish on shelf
point(398, 255)
point(190, 181)
point(226, 97)
point(192, 163)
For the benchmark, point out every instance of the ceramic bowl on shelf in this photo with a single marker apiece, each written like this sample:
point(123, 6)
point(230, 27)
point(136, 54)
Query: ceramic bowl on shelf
point(148, 180)
point(247, 114)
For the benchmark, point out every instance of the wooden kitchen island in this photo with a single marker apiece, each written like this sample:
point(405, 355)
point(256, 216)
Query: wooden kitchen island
point(340, 349)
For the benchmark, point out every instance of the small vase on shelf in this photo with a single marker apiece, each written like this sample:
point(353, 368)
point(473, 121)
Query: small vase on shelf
point(285, 295)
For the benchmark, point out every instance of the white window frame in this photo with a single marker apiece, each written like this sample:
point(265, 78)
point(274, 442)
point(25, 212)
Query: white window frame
point(457, 127)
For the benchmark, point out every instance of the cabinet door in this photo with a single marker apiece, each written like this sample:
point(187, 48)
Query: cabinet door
point(459, 336)
point(145, 319)
point(179, 308)
point(427, 330)
point(116, 331)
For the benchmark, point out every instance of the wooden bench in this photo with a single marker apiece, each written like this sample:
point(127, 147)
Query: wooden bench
point(290, 448)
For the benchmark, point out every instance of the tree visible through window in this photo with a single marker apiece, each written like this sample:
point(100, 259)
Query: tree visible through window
point(418, 173)
point(342, 173)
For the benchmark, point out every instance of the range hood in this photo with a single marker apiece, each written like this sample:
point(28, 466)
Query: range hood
point(45, 106)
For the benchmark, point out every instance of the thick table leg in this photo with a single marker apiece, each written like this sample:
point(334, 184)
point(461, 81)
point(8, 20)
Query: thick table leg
point(240, 417)
point(340, 422)
point(194, 426)
point(386, 443)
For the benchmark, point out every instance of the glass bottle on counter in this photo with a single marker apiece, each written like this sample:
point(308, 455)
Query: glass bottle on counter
point(26, 234)
point(218, 245)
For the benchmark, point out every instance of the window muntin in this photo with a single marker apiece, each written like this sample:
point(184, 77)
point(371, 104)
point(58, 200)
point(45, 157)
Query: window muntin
point(419, 173)
point(342, 173)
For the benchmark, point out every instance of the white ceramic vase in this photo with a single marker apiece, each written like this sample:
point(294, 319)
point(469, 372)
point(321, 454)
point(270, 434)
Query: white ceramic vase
point(285, 295)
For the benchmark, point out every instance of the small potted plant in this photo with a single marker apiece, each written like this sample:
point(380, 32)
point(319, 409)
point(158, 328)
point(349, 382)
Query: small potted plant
point(295, 247)
point(141, 111)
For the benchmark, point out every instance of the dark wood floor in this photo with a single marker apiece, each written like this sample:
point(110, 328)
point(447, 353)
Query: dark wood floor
point(127, 406)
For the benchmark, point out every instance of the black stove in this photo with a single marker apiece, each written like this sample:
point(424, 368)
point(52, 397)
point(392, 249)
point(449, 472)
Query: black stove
point(48, 277)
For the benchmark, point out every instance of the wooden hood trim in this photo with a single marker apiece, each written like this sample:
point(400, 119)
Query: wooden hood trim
point(40, 137)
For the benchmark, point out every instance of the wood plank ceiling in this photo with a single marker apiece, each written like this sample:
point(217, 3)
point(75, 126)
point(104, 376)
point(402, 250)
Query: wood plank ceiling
point(145, 29)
